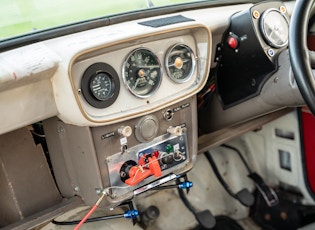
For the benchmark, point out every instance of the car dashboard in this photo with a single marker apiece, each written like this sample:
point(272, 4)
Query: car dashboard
point(120, 104)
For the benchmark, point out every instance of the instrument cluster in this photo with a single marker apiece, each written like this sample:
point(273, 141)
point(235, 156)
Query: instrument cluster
point(142, 74)
point(139, 75)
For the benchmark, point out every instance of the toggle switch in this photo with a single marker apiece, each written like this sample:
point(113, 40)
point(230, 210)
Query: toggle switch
point(177, 130)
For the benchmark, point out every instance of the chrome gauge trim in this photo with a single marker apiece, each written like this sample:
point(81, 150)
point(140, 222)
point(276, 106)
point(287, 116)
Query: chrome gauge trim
point(267, 32)
point(170, 62)
point(150, 72)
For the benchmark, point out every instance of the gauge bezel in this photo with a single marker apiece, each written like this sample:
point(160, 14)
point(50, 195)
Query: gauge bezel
point(263, 31)
point(124, 76)
point(193, 67)
point(88, 75)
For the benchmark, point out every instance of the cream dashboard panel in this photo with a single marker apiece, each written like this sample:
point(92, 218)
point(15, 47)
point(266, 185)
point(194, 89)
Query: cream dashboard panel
point(43, 79)
point(113, 57)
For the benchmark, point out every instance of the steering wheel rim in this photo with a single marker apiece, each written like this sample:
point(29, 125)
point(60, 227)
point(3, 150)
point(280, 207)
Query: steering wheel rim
point(298, 51)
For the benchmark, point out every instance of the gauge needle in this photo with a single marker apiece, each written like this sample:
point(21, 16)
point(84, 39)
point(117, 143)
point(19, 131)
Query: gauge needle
point(137, 82)
point(181, 64)
point(149, 66)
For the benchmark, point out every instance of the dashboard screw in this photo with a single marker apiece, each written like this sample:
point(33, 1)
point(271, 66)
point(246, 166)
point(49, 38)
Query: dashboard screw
point(61, 129)
point(271, 52)
point(113, 195)
point(283, 9)
point(256, 14)
point(76, 189)
point(123, 174)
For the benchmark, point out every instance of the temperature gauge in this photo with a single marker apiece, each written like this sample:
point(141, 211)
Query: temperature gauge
point(180, 63)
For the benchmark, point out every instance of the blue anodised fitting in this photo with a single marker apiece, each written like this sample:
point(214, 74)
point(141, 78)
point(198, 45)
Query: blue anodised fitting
point(185, 184)
point(131, 214)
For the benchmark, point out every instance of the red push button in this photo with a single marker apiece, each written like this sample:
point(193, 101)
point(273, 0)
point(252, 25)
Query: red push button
point(232, 42)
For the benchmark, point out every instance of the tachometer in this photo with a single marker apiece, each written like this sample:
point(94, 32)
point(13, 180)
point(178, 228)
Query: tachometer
point(275, 28)
point(142, 72)
point(101, 86)
point(180, 63)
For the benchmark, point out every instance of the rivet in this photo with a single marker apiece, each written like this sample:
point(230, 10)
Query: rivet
point(256, 14)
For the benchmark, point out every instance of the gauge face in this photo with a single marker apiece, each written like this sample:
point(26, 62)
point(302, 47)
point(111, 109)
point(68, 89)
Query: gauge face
point(275, 28)
point(180, 63)
point(101, 86)
point(142, 73)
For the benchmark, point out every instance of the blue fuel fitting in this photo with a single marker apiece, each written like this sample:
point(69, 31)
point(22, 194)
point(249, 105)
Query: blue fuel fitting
point(131, 214)
point(185, 185)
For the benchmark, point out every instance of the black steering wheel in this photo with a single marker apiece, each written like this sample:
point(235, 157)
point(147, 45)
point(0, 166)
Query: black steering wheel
point(298, 50)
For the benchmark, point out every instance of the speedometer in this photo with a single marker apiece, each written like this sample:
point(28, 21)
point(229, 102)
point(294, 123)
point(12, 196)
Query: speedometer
point(275, 28)
point(142, 72)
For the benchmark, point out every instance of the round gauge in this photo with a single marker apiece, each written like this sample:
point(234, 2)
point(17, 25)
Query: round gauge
point(275, 28)
point(180, 63)
point(142, 72)
point(101, 86)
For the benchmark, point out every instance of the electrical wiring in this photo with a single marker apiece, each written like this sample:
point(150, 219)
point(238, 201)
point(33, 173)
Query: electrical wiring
point(240, 155)
point(90, 212)
point(218, 175)
point(86, 219)
point(128, 214)
point(146, 165)
point(243, 196)
point(104, 192)
point(267, 192)
point(135, 176)
point(203, 96)
point(204, 218)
